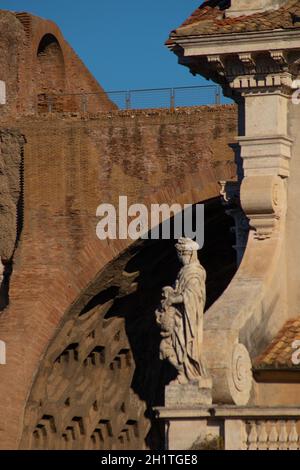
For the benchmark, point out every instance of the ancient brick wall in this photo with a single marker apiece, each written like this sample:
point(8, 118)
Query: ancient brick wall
point(11, 144)
point(136, 152)
point(35, 61)
point(12, 42)
point(71, 165)
point(11, 203)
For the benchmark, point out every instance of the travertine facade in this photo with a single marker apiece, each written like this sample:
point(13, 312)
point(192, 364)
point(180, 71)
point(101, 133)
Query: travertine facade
point(258, 70)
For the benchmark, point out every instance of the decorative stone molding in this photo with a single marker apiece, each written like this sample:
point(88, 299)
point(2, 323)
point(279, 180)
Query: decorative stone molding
point(263, 200)
point(248, 71)
point(260, 72)
point(233, 428)
point(266, 155)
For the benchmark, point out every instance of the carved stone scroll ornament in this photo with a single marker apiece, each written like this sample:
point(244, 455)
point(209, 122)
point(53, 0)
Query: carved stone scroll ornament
point(263, 200)
point(180, 317)
point(240, 381)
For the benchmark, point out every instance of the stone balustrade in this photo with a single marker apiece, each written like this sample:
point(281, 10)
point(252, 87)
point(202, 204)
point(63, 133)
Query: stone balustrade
point(232, 428)
point(272, 435)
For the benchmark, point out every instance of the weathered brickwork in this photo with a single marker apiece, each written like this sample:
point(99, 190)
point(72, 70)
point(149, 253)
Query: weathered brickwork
point(12, 42)
point(71, 165)
point(11, 203)
point(11, 145)
point(76, 313)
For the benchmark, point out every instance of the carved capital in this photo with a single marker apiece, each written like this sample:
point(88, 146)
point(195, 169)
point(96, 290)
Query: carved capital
point(263, 200)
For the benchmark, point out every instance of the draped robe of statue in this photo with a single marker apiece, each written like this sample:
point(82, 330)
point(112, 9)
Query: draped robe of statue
point(188, 331)
point(181, 319)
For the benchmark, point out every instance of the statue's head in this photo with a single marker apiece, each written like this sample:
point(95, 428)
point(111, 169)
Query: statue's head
point(187, 251)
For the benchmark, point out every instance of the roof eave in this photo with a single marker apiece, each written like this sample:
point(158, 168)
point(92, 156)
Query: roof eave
point(236, 42)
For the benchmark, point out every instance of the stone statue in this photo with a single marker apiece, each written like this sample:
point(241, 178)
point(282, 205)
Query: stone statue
point(181, 316)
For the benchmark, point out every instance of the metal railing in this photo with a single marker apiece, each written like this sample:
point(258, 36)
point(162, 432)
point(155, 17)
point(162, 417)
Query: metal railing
point(132, 99)
point(166, 97)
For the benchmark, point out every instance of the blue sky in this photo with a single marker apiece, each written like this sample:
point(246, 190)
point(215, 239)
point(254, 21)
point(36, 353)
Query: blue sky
point(121, 41)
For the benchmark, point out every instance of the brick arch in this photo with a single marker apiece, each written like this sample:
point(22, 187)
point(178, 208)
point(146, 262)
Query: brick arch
point(45, 312)
point(67, 289)
point(67, 172)
point(51, 77)
point(101, 332)
point(78, 78)
point(47, 41)
point(45, 33)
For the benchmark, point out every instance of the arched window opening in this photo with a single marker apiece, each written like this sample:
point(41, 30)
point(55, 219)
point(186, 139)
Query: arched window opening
point(50, 70)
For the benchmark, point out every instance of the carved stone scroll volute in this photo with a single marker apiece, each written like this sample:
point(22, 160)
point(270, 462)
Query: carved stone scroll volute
point(263, 200)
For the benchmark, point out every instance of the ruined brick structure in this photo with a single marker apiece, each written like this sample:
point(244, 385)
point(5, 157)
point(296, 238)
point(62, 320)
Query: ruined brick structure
point(36, 60)
point(82, 369)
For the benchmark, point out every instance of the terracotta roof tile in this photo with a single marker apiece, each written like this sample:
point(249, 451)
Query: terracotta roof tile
point(279, 353)
point(210, 18)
